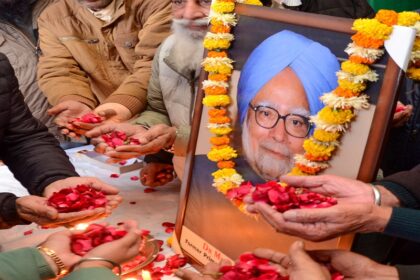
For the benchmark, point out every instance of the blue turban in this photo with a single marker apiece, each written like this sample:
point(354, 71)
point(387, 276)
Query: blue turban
point(313, 63)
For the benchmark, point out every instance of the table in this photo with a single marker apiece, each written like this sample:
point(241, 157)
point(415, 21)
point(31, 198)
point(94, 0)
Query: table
point(150, 210)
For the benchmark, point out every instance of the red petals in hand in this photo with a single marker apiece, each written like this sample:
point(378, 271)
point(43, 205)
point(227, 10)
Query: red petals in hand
point(251, 267)
point(94, 236)
point(400, 107)
point(89, 118)
point(286, 198)
point(175, 262)
point(118, 138)
point(81, 197)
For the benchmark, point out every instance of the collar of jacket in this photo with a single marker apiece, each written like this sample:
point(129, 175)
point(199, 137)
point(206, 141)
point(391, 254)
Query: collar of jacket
point(86, 14)
point(184, 72)
point(39, 6)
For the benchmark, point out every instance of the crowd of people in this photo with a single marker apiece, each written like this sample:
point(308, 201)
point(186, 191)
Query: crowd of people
point(136, 63)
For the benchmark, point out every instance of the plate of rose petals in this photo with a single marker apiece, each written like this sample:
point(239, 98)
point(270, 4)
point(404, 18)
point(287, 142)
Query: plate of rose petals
point(97, 234)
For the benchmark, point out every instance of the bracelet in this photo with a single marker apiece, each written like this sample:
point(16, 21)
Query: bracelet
point(376, 195)
point(114, 264)
point(58, 262)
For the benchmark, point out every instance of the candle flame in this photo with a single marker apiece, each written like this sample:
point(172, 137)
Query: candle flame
point(146, 275)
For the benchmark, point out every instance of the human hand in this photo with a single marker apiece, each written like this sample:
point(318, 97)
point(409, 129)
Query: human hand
point(118, 251)
point(130, 130)
point(158, 137)
point(69, 219)
point(34, 209)
point(354, 266)
point(209, 272)
point(325, 223)
point(297, 264)
point(401, 117)
point(67, 111)
point(156, 174)
point(343, 189)
point(59, 242)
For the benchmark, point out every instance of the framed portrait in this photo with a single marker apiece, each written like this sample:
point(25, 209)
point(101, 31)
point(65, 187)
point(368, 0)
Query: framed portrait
point(307, 50)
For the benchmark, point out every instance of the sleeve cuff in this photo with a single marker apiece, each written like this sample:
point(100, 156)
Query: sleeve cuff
point(405, 197)
point(45, 271)
point(404, 223)
point(408, 272)
point(91, 273)
point(132, 103)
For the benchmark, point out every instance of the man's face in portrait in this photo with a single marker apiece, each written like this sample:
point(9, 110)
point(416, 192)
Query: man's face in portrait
point(276, 125)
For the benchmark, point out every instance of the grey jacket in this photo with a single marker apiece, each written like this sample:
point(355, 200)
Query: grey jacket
point(22, 53)
point(170, 97)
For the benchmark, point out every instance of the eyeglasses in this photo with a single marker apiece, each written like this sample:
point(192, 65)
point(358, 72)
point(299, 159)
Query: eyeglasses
point(295, 125)
point(178, 4)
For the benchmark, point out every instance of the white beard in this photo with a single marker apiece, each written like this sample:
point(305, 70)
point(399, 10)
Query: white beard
point(188, 48)
point(263, 163)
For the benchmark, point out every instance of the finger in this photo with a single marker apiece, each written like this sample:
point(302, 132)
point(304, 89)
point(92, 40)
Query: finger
point(65, 131)
point(191, 275)
point(100, 148)
point(108, 113)
point(323, 256)
point(85, 126)
point(99, 130)
point(273, 256)
point(309, 215)
point(121, 155)
point(57, 109)
point(101, 186)
point(298, 255)
point(304, 181)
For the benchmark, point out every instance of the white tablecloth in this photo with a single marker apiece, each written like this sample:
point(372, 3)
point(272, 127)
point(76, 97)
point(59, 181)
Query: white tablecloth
point(149, 209)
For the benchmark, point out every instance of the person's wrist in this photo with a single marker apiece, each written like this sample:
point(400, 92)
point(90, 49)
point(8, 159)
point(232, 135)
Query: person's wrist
point(93, 264)
point(50, 262)
point(379, 218)
point(388, 198)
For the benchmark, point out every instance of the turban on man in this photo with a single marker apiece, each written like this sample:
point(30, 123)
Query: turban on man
point(313, 63)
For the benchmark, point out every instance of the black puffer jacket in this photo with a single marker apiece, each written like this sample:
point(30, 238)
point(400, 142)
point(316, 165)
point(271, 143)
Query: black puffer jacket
point(32, 154)
point(338, 8)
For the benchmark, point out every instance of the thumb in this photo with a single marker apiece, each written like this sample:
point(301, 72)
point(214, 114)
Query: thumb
point(108, 113)
point(57, 109)
point(298, 255)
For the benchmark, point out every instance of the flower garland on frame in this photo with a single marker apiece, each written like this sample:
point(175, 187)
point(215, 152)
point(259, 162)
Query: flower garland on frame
point(340, 105)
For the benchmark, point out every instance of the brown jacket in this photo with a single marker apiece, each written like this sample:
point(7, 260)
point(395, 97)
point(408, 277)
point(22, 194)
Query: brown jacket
point(93, 62)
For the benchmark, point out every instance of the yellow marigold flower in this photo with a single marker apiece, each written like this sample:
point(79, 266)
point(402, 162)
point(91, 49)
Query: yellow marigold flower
point(413, 73)
point(223, 119)
point(216, 100)
point(297, 172)
point(213, 44)
point(224, 173)
point(218, 77)
point(354, 87)
point(372, 28)
point(221, 140)
point(344, 92)
point(388, 17)
point(358, 59)
point(317, 150)
point(169, 241)
point(215, 90)
point(253, 2)
point(408, 18)
point(331, 116)
point(218, 65)
point(223, 19)
point(325, 136)
point(354, 68)
point(222, 154)
point(225, 187)
point(217, 54)
point(220, 130)
point(416, 46)
point(217, 112)
point(308, 169)
point(223, 7)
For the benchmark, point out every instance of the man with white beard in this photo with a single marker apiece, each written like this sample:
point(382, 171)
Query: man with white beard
point(170, 96)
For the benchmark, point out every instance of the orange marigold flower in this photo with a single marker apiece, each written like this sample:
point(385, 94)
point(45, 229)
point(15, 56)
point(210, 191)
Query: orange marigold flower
point(314, 158)
point(363, 41)
point(218, 147)
point(362, 60)
point(221, 140)
point(220, 29)
point(219, 120)
point(387, 17)
point(307, 169)
point(225, 164)
point(339, 91)
point(218, 77)
point(215, 90)
point(216, 54)
point(217, 112)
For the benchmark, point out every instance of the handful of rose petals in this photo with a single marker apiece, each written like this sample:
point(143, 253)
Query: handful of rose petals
point(119, 138)
point(89, 118)
point(282, 198)
point(251, 267)
point(93, 236)
point(81, 197)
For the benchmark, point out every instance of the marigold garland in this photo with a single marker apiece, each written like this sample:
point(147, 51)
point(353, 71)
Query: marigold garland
point(341, 104)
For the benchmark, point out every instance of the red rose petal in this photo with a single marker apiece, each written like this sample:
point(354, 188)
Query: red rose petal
point(134, 178)
point(169, 230)
point(144, 232)
point(168, 224)
point(133, 202)
point(114, 175)
point(160, 257)
point(149, 190)
point(123, 162)
point(28, 232)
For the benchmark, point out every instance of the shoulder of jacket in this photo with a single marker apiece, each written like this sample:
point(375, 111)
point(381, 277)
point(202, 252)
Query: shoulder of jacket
point(58, 10)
